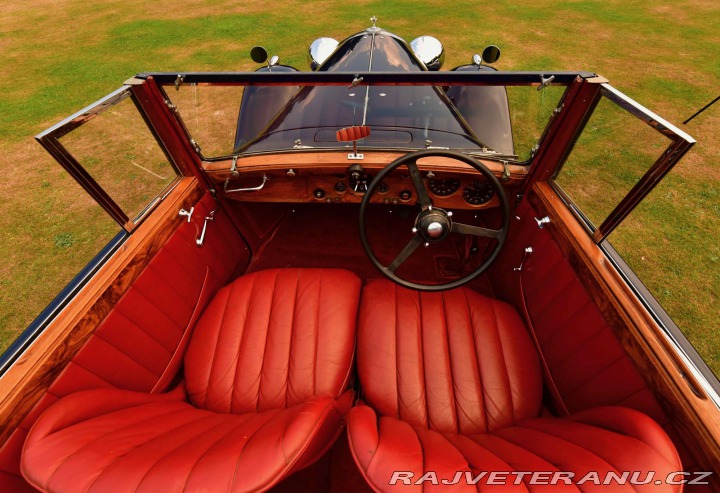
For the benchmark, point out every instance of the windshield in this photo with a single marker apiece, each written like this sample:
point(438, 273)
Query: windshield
point(492, 120)
point(399, 116)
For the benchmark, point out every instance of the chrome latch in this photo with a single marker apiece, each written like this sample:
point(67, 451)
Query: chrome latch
point(526, 253)
point(545, 81)
point(355, 82)
point(542, 222)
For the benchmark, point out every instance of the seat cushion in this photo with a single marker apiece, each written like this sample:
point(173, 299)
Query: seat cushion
point(453, 383)
point(273, 339)
point(600, 440)
point(267, 370)
point(453, 361)
point(109, 441)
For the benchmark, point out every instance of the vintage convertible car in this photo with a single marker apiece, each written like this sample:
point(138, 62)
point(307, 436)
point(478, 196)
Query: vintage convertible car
point(373, 275)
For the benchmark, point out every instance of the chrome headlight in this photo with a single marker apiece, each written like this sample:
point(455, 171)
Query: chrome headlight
point(320, 50)
point(429, 50)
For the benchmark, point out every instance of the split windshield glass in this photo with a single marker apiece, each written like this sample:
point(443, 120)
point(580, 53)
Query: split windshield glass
point(505, 122)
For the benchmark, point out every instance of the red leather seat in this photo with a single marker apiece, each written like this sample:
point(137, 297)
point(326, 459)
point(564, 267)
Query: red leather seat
point(265, 394)
point(453, 383)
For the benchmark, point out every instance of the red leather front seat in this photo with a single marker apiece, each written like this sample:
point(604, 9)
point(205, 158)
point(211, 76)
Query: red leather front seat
point(265, 394)
point(453, 383)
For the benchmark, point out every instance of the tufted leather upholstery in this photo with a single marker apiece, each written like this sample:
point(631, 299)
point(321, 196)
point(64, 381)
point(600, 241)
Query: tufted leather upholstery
point(266, 370)
point(274, 339)
point(452, 383)
point(429, 359)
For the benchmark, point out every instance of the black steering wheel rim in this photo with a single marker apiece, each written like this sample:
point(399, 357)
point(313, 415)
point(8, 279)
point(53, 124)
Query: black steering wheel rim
point(411, 159)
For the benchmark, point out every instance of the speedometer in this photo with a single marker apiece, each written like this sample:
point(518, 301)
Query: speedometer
point(478, 192)
point(443, 188)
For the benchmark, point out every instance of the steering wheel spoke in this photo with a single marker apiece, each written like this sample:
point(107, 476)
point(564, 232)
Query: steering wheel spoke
point(406, 252)
point(467, 229)
point(423, 197)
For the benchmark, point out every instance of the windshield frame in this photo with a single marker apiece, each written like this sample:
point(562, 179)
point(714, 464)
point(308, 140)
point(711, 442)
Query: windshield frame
point(166, 82)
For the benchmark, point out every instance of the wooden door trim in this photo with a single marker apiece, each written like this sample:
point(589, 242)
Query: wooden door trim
point(27, 380)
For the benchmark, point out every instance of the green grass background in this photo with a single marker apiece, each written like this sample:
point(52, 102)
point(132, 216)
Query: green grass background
point(59, 56)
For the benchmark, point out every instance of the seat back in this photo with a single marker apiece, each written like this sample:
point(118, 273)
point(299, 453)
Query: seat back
point(455, 361)
point(274, 339)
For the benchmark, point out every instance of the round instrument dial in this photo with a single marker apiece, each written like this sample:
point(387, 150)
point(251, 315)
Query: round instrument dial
point(478, 192)
point(443, 188)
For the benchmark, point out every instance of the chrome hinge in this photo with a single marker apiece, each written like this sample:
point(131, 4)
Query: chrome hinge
point(542, 221)
point(506, 171)
point(233, 166)
point(195, 145)
point(179, 81)
point(172, 107)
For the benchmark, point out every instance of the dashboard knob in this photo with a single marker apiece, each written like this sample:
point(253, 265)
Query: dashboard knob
point(405, 195)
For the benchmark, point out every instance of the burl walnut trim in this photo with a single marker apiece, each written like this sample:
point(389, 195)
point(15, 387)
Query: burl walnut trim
point(32, 374)
point(337, 161)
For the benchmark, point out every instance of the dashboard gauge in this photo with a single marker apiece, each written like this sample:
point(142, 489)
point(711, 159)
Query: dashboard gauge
point(443, 188)
point(478, 192)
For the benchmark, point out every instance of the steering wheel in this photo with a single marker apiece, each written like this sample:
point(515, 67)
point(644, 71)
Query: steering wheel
point(434, 224)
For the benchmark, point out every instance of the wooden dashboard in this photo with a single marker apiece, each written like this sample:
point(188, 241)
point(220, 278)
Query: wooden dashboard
point(306, 177)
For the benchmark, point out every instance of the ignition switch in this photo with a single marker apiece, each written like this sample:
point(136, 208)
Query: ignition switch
point(357, 178)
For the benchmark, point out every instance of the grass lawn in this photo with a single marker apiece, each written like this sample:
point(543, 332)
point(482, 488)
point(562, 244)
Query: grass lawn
point(59, 56)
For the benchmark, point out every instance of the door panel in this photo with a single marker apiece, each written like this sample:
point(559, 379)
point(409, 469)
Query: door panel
point(139, 344)
point(586, 363)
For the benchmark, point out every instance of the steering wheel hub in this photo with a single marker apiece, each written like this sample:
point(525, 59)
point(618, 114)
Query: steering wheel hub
point(433, 225)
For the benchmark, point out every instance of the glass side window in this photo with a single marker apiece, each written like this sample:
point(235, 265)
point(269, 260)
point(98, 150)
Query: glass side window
point(116, 172)
point(669, 244)
point(112, 152)
point(118, 150)
point(613, 152)
point(659, 229)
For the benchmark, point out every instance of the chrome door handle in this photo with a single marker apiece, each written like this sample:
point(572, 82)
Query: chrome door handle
point(528, 251)
point(201, 240)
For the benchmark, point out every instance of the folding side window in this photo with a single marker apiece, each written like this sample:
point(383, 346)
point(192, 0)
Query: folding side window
point(649, 231)
point(111, 151)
